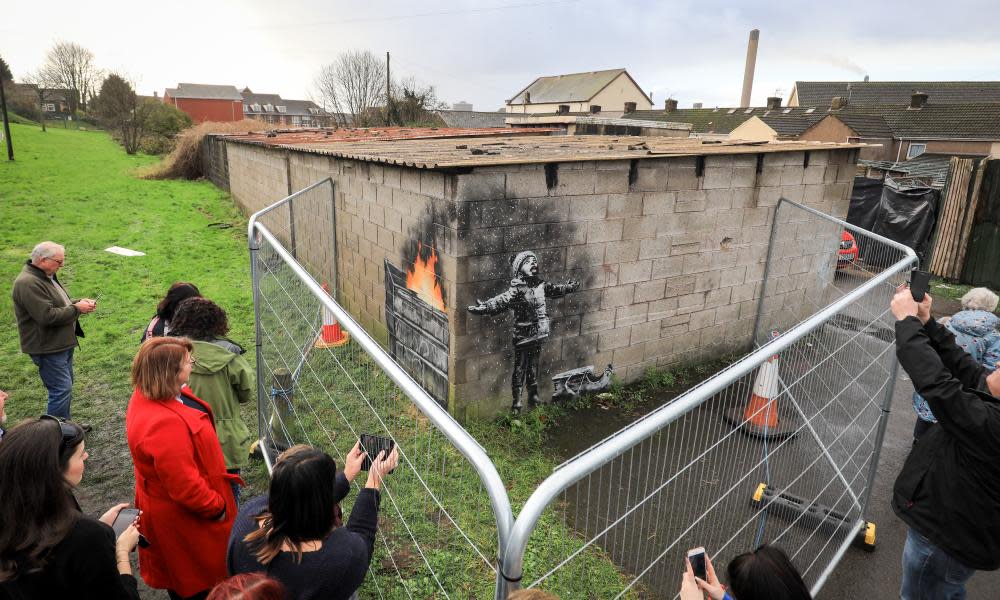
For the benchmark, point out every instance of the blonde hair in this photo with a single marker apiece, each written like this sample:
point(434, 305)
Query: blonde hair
point(980, 299)
point(157, 364)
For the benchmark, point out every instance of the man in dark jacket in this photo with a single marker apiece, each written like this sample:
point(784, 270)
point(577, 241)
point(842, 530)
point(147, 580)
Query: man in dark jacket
point(949, 489)
point(47, 321)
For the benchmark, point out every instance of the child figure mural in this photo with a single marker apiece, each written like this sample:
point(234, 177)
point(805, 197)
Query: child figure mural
point(526, 299)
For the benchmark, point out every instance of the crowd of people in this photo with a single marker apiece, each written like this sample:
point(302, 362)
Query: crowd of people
point(188, 445)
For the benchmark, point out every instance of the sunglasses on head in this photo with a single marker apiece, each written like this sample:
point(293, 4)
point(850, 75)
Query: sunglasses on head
point(72, 434)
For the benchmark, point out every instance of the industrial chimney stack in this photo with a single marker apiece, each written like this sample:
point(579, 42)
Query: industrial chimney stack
point(748, 71)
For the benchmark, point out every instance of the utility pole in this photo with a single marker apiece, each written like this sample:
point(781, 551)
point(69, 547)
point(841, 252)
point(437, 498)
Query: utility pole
point(6, 124)
point(388, 94)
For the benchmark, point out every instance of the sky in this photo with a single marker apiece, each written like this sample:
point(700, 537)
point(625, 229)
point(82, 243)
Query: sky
point(485, 51)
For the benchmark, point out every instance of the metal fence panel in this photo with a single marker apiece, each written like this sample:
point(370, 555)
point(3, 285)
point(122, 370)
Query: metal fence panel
point(444, 512)
point(781, 447)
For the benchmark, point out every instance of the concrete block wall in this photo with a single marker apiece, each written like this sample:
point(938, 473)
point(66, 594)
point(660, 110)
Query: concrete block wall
point(670, 255)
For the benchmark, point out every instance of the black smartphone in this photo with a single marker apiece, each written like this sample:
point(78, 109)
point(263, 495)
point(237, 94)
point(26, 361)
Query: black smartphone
point(920, 282)
point(371, 445)
point(126, 517)
point(696, 556)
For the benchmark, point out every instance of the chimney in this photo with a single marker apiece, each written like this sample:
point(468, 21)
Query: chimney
point(527, 97)
point(838, 102)
point(595, 109)
point(866, 79)
point(562, 109)
point(670, 105)
point(918, 100)
point(696, 105)
point(156, 94)
point(773, 103)
point(748, 70)
point(629, 107)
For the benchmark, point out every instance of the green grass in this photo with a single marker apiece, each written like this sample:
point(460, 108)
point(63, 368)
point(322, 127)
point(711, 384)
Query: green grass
point(943, 289)
point(78, 188)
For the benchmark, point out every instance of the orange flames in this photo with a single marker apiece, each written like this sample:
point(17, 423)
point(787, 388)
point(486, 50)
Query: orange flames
point(422, 279)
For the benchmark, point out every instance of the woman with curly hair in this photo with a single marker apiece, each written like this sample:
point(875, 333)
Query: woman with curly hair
point(160, 323)
point(220, 376)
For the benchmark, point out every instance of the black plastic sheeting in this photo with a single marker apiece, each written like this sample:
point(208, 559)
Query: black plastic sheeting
point(906, 216)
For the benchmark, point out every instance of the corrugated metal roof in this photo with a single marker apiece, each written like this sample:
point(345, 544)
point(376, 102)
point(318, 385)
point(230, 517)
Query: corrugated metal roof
point(819, 93)
point(471, 119)
point(205, 91)
point(506, 147)
point(574, 87)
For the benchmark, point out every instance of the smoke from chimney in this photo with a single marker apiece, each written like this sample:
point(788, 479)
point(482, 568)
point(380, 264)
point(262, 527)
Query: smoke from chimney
point(748, 70)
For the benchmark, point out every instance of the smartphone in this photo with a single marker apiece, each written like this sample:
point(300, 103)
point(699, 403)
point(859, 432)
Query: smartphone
point(919, 284)
point(126, 517)
point(371, 445)
point(696, 556)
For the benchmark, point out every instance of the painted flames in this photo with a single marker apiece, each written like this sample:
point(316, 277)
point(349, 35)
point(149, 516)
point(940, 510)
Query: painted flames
point(422, 279)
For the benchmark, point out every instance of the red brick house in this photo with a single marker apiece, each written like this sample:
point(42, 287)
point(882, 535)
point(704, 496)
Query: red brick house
point(221, 103)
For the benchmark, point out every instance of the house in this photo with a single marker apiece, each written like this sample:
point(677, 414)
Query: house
point(55, 103)
point(273, 109)
point(202, 102)
point(821, 93)
point(705, 122)
point(777, 123)
point(597, 124)
point(608, 92)
point(909, 130)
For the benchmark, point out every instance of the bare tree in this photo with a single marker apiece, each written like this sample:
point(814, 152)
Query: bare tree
point(123, 112)
point(415, 101)
point(44, 87)
point(354, 83)
point(71, 66)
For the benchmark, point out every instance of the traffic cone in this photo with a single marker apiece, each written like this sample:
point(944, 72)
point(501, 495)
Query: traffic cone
point(760, 418)
point(331, 336)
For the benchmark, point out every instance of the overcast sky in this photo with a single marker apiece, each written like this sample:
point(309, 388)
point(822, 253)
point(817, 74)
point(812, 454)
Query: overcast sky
point(485, 51)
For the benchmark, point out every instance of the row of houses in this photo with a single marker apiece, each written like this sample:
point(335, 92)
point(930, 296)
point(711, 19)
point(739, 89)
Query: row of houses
point(225, 103)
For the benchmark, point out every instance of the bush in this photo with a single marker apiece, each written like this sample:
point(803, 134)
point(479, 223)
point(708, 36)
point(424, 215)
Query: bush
point(156, 145)
point(184, 162)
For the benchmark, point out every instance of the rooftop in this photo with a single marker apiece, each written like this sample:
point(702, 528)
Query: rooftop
point(819, 93)
point(702, 120)
point(204, 91)
point(440, 149)
point(574, 87)
point(471, 118)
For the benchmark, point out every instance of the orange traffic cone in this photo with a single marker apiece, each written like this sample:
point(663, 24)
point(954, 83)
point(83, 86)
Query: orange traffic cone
point(760, 417)
point(331, 336)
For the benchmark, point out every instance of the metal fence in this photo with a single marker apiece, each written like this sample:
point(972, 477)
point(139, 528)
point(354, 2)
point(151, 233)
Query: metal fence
point(446, 511)
point(781, 447)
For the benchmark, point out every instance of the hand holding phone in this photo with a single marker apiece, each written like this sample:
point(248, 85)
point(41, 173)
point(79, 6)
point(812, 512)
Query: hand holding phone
point(126, 517)
point(919, 284)
point(696, 556)
point(372, 445)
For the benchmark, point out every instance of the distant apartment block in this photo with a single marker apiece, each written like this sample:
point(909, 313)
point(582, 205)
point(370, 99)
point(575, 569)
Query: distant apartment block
point(220, 103)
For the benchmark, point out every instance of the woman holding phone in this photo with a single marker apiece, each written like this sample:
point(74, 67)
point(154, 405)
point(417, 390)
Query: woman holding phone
point(181, 483)
point(763, 574)
point(295, 534)
point(48, 547)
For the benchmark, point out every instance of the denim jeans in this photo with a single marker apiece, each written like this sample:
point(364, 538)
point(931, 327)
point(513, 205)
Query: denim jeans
point(929, 573)
point(56, 371)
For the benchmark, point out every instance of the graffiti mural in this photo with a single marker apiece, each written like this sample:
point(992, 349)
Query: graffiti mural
point(416, 318)
point(582, 380)
point(526, 299)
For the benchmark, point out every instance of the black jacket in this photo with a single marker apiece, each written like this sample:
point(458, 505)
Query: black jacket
point(949, 488)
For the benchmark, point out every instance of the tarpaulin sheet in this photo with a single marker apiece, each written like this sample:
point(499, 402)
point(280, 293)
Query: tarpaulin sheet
point(908, 216)
point(864, 202)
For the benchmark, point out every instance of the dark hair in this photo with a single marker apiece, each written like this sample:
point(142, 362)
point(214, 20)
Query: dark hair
point(36, 509)
point(248, 586)
point(199, 319)
point(766, 574)
point(301, 506)
point(177, 293)
point(157, 364)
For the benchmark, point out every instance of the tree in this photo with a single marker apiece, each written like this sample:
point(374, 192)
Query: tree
point(123, 112)
point(415, 102)
point(5, 74)
point(44, 87)
point(71, 66)
point(354, 83)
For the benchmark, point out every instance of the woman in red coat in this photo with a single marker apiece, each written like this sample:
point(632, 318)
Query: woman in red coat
point(181, 484)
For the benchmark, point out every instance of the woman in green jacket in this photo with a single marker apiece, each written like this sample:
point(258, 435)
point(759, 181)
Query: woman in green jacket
point(220, 376)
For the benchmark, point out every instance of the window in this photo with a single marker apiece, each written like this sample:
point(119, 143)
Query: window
point(281, 109)
point(730, 111)
point(915, 150)
point(787, 110)
point(49, 107)
point(810, 110)
point(255, 107)
point(246, 108)
point(748, 111)
point(268, 108)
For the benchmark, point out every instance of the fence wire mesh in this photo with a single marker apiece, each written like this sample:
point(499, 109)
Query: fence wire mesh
point(438, 534)
point(779, 448)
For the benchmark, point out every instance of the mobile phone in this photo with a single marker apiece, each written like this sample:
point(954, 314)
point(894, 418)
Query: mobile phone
point(696, 556)
point(919, 284)
point(126, 517)
point(371, 445)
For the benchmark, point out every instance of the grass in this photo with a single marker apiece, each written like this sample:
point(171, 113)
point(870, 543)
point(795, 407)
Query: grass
point(943, 289)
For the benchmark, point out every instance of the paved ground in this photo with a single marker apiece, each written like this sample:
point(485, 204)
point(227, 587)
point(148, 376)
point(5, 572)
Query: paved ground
point(877, 574)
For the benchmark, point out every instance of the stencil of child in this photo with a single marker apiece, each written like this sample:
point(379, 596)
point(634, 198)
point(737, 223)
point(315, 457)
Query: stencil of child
point(526, 299)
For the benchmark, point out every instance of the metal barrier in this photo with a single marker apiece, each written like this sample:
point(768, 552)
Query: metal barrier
point(447, 511)
point(780, 447)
